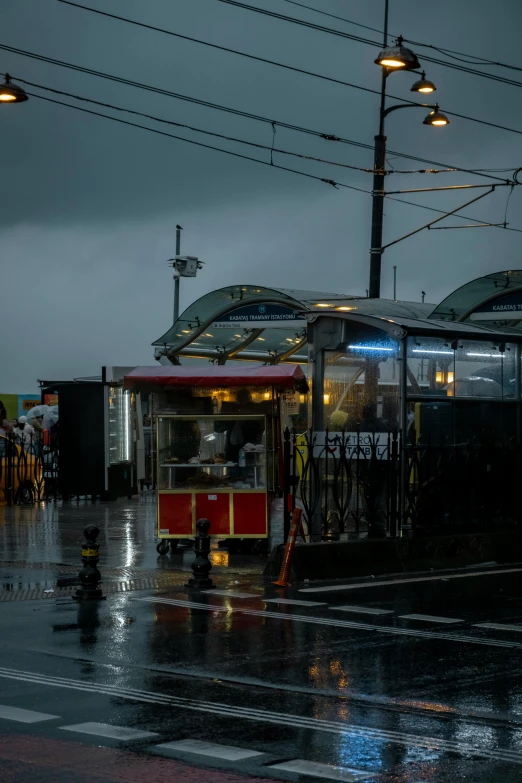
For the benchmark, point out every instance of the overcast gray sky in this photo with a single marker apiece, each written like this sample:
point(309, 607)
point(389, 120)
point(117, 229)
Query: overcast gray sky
point(89, 207)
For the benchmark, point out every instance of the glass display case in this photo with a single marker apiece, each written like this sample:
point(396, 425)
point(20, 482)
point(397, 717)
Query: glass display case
point(214, 467)
point(119, 426)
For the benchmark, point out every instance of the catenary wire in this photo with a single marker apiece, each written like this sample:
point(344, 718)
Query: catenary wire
point(473, 59)
point(270, 148)
point(255, 160)
point(198, 143)
point(351, 37)
point(161, 91)
point(281, 65)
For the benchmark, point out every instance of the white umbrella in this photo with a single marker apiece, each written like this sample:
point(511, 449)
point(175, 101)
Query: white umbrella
point(38, 410)
point(49, 413)
point(50, 418)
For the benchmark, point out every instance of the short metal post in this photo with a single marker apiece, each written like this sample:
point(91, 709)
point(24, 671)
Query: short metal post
point(89, 575)
point(201, 565)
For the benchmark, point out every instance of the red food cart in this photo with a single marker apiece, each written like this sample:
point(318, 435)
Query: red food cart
point(218, 445)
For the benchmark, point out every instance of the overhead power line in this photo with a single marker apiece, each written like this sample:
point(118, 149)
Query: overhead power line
point(197, 143)
point(270, 148)
point(358, 39)
point(278, 64)
point(249, 115)
point(254, 160)
point(473, 59)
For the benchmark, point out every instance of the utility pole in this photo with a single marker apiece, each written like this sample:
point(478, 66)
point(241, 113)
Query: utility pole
point(177, 275)
point(379, 162)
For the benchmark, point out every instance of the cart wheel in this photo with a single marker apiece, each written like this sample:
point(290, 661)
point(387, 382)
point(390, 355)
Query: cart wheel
point(163, 547)
point(174, 544)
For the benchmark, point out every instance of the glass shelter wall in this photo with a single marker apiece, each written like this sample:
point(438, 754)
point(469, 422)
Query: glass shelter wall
point(362, 385)
point(460, 389)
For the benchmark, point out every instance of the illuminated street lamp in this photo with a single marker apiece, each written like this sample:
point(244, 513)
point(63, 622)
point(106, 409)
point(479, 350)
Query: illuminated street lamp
point(11, 93)
point(393, 58)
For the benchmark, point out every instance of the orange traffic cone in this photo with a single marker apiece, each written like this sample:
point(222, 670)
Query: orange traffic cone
point(289, 549)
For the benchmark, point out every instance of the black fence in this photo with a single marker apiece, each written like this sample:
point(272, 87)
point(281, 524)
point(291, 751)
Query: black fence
point(355, 485)
point(29, 471)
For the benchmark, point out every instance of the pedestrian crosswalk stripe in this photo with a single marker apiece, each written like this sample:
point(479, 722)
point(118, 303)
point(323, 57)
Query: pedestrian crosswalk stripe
point(313, 769)
point(499, 626)
point(361, 609)
point(430, 618)
point(226, 752)
point(106, 730)
point(292, 601)
point(24, 716)
point(232, 594)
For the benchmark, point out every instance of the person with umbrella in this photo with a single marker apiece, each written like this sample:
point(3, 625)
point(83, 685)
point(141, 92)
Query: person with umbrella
point(24, 433)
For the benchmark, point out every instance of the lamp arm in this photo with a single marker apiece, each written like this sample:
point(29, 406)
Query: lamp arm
point(410, 106)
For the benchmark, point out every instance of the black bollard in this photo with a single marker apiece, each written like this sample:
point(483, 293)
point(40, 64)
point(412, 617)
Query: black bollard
point(201, 565)
point(89, 575)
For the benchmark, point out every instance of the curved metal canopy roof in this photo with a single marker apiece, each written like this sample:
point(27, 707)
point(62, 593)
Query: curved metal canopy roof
point(459, 305)
point(196, 335)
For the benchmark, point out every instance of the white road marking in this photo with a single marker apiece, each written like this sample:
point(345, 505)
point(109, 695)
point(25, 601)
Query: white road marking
point(24, 716)
point(293, 601)
point(265, 716)
point(363, 585)
point(323, 771)
point(106, 730)
point(499, 626)
point(231, 594)
point(361, 609)
point(430, 618)
point(416, 633)
point(212, 749)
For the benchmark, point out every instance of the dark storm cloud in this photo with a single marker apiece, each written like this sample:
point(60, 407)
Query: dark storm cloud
point(89, 206)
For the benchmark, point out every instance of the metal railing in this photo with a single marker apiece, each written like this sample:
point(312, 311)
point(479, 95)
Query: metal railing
point(28, 471)
point(355, 485)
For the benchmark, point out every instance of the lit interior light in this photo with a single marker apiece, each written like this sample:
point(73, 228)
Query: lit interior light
point(186, 331)
point(262, 339)
point(301, 399)
point(369, 348)
point(326, 398)
point(345, 309)
point(322, 304)
point(439, 376)
point(267, 395)
point(208, 335)
point(487, 355)
point(437, 353)
point(451, 377)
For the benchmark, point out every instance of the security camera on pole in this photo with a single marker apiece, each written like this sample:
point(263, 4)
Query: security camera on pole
point(184, 266)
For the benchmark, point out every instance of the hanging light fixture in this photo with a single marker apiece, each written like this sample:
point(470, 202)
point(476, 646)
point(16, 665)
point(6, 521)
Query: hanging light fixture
point(423, 85)
point(436, 117)
point(11, 93)
point(398, 56)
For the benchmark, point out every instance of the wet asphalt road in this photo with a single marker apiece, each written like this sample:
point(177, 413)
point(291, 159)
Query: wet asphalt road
point(364, 692)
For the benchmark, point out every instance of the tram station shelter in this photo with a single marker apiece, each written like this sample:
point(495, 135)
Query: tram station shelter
point(441, 381)
point(450, 369)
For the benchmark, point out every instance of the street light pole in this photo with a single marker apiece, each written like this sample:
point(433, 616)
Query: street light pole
point(397, 57)
point(379, 161)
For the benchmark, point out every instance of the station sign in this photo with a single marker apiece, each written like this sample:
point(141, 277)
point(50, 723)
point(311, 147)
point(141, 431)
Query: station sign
point(505, 308)
point(265, 315)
